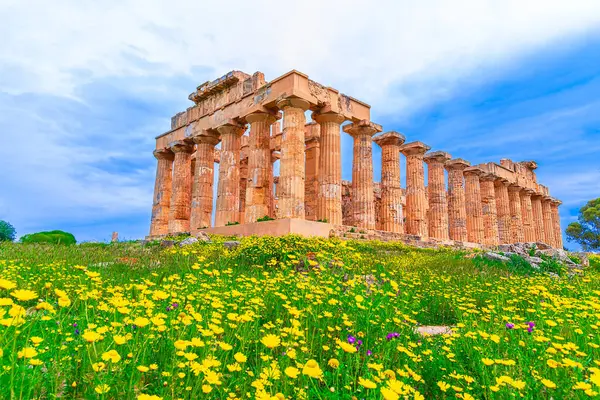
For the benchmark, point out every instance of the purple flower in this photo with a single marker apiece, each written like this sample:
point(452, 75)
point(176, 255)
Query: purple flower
point(369, 353)
point(77, 331)
point(351, 339)
point(359, 343)
point(175, 305)
point(531, 324)
point(74, 324)
point(509, 325)
point(530, 329)
point(168, 308)
point(392, 335)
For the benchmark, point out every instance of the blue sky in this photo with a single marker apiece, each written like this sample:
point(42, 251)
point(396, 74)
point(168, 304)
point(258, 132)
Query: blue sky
point(84, 91)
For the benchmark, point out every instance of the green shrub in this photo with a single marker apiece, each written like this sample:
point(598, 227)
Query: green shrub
point(50, 237)
point(7, 232)
point(265, 218)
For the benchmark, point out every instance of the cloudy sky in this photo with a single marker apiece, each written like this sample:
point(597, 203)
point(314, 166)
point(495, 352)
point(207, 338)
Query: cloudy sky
point(85, 86)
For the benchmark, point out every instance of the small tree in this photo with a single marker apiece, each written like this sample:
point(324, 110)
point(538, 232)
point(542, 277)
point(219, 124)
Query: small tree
point(586, 231)
point(7, 232)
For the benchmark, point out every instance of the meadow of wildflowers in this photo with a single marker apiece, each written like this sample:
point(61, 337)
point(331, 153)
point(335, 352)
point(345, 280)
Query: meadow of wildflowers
point(291, 318)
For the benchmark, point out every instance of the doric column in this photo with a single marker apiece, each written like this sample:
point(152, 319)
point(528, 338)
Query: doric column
point(259, 160)
point(202, 192)
point(228, 188)
point(556, 223)
point(311, 185)
point(547, 217)
point(457, 211)
point(329, 193)
point(438, 201)
point(363, 200)
point(416, 200)
point(391, 215)
point(538, 219)
point(275, 155)
point(503, 210)
point(517, 235)
point(181, 196)
point(527, 213)
point(243, 173)
point(292, 166)
point(488, 208)
point(159, 224)
point(474, 209)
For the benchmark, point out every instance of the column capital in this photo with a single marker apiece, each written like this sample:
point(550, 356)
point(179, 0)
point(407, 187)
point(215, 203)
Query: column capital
point(261, 116)
point(457, 164)
point(275, 155)
point(437, 157)
point(362, 127)
point(163, 154)
point(231, 126)
point(391, 138)
point(488, 177)
point(181, 146)
point(322, 117)
point(295, 102)
point(501, 182)
point(474, 171)
point(555, 202)
point(206, 136)
point(414, 148)
point(528, 192)
point(547, 198)
point(514, 188)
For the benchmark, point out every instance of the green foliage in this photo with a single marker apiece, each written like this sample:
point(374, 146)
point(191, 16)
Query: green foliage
point(7, 232)
point(586, 231)
point(49, 237)
point(265, 218)
point(323, 220)
point(232, 223)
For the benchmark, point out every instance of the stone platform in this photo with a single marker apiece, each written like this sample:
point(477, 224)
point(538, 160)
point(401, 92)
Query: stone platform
point(277, 227)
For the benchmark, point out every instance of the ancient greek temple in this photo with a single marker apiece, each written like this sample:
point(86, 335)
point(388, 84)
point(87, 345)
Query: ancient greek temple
point(245, 125)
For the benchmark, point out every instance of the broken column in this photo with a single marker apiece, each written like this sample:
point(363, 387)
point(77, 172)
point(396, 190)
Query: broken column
point(391, 215)
point(503, 210)
point(516, 214)
point(259, 161)
point(202, 193)
point(556, 223)
point(329, 193)
point(311, 184)
point(547, 218)
point(488, 208)
point(228, 188)
point(527, 213)
point(159, 224)
point(457, 213)
point(363, 201)
point(438, 201)
point(292, 165)
point(538, 219)
point(416, 200)
point(179, 214)
point(473, 205)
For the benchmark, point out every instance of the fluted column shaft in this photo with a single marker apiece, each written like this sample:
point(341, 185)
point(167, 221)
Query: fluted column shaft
point(517, 234)
point(159, 223)
point(457, 212)
point(181, 196)
point(503, 210)
point(488, 208)
point(292, 165)
point(556, 224)
point(474, 209)
point(527, 212)
point(548, 225)
point(438, 201)
point(538, 219)
point(329, 193)
point(202, 192)
point(363, 201)
point(311, 187)
point(391, 215)
point(416, 200)
point(228, 188)
point(259, 161)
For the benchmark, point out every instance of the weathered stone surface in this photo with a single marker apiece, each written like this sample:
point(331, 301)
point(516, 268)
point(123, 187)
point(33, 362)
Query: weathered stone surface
point(231, 244)
point(516, 216)
point(416, 199)
point(457, 212)
point(181, 196)
point(538, 219)
point(202, 236)
point(311, 184)
point(202, 188)
point(159, 224)
point(392, 217)
point(438, 201)
point(228, 188)
point(488, 208)
point(503, 210)
point(527, 213)
point(558, 241)
point(188, 241)
point(474, 209)
point(433, 330)
point(547, 221)
point(495, 256)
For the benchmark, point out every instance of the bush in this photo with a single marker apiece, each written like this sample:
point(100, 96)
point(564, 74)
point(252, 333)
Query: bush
point(7, 232)
point(50, 237)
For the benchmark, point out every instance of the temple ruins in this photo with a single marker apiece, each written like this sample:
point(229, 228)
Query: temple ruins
point(258, 122)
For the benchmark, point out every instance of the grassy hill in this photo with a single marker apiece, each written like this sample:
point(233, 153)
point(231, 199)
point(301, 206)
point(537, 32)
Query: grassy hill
point(292, 318)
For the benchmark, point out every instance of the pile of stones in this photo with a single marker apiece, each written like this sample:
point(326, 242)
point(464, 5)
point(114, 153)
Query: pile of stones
point(532, 253)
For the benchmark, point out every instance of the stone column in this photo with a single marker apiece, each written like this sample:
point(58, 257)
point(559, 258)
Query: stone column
point(259, 160)
point(202, 193)
point(292, 165)
point(438, 201)
point(517, 234)
point(329, 194)
point(243, 173)
point(547, 218)
point(457, 211)
point(416, 200)
point(311, 185)
point(527, 213)
point(488, 208)
point(503, 210)
point(556, 223)
point(363, 199)
point(391, 215)
point(474, 209)
point(538, 219)
point(159, 224)
point(181, 196)
point(228, 188)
